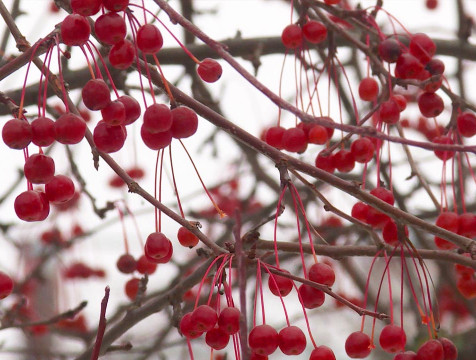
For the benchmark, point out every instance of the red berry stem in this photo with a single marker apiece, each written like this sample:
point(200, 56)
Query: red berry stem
point(60, 71)
point(42, 95)
point(175, 183)
point(197, 298)
point(124, 232)
point(108, 74)
point(165, 82)
point(298, 228)
point(367, 283)
point(91, 71)
point(278, 212)
point(158, 212)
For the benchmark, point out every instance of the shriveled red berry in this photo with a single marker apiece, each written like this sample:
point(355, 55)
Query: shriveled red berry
point(6, 285)
point(322, 273)
point(75, 30)
point(263, 340)
point(209, 70)
point(17, 134)
point(149, 39)
point(109, 138)
point(291, 36)
point(217, 339)
point(389, 50)
point(110, 28)
point(186, 237)
point(314, 31)
point(357, 345)
point(280, 285)
point(184, 122)
point(86, 7)
point(292, 340)
point(430, 104)
point(115, 5)
point(311, 297)
point(121, 55)
point(322, 353)
point(32, 205)
point(229, 320)
point(96, 94)
point(60, 189)
point(204, 318)
point(368, 89)
point(157, 118)
point(43, 131)
point(392, 338)
point(431, 350)
point(132, 288)
point(126, 264)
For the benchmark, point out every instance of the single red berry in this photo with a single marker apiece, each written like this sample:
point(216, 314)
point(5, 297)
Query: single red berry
point(467, 225)
point(311, 297)
point(390, 233)
point(443, 154)
point(295, 140)
point(121, 55)
point(314, 31)
point(466, 123)
point(322, 353)
point(75, 30)
point(126, 264)
point(408, 67)
point(32, 205)
point(157, 118)
point(187, 328)
point(109, 138)
point(217, 339)
point(157, 245)
point(186, 237)
point(431, 350)
point(280, 285)
point(322, 274)
point(389, 112)
point(291, 36)
point(325, 162)
point(449, 221)
point(95, 94)
point(389, 50)
point(43, 131)
point(292, 340)
point(156, 141)
point(332, 2)
point(362, 150)
point(368, 89)
point(344, 160)
point(360, 211)
point(431, 4)
point(60, 189)
point(204, 318)
point(86, 7)
point(209, 70)
point(274, 136)
point(132, 108)
point(144, 266)
point(263, 340)
point(422, 47)
point(39, 168)
point(110, 28)
point(435, 67)
point(184, 122)
point(229, 320)
point(383, 194)
point(17, 134)
point(132, 288)
point(401, 101)
point(69, 129)
point(149, 39)
point(393, 338)
point(318, 135)
point(430, 104)
point(115, 5)
point(6, 285)
point(357, 345)
point(407, 355)
point(114, 113)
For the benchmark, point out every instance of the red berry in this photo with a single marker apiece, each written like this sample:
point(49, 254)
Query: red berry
point(390, 233)
point(360, 211)
point(96, 95)
point(17, 134)
point(115, 5)
point(109, 138)
point(294, 140)
point(156, 141)
point(263, 340)
point(187, 238)
point(274, 136)
point(69, 129)
point(291, 36)
point(60, 189)
point(332, 2)
point(368, 89)
point(209, 70)
point(322, 353)
point(157, 245)
point(144, 266)
point(6, 285)
point(431, 350)
point(110, 28)
point(466, 123)
point(401, 101)
point(449, 349)
point(318, 135)
point(314, 31)
point(389, 112)
point(392, 339)
point(357, 345)
point(279, 285)
point(435, 67)
point(157, 118)
point(204, 318)
point(43, 131)
point(292, 340)
point(184, 122)
point(431, 4)
point(443, 154)
point(217, 339)
point(311, 297)
point(86, 7)
point(389, 50)
point(430, 104)
point(187, 328)
point(126, 264)
point(131, 107)
point(132, 288)
point(408, 67)
point(39, 169)
point(121, 55)
point(325, 163)
point(362, 150)
point(383, 194)
point(75, 30)
point(149, 39)
point(344, 160)
point(407, 355)
point(448, 221)
point(322, 274)
point(422, 47)
point(32, 205)
point(229, 320)
point(114, 113)
point(467, 225)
